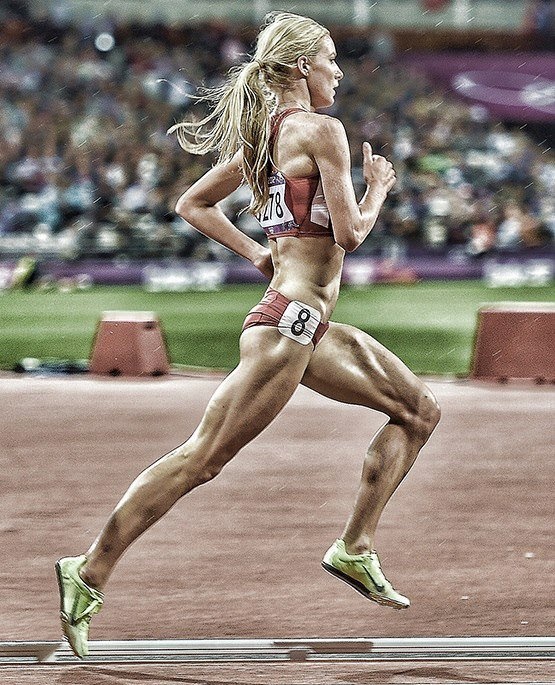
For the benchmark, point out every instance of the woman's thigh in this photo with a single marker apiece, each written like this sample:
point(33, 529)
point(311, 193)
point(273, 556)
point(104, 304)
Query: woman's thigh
point(350, 366)
point(270, 370)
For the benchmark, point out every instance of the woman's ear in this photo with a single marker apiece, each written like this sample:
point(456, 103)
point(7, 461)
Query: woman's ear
point(303, 65)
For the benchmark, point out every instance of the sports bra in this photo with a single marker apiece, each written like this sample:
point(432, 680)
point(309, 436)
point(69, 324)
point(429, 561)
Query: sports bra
point(296, 206)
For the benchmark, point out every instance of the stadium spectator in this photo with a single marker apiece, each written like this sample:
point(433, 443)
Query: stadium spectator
point(518, 227)
point(83, 141)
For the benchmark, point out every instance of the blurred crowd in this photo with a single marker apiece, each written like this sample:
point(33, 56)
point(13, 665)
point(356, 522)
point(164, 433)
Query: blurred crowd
point(87, 169)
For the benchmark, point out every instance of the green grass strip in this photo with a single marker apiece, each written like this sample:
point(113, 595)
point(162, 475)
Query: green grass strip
point(429, 325)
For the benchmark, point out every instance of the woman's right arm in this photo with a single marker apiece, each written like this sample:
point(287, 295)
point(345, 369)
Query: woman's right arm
point(351, 221)
point(199, 206)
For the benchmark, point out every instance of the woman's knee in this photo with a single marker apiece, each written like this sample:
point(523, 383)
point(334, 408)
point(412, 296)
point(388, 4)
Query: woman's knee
point(205, 473)
point(421, 415)
point(199, 464)
point(429, 410)
point(427, 414)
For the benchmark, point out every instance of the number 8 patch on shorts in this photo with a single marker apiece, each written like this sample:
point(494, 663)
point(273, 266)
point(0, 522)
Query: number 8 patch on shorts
point(299, 322)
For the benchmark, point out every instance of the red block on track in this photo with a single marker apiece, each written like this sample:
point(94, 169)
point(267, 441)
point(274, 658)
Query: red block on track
point(129, 344)
point(515, 340)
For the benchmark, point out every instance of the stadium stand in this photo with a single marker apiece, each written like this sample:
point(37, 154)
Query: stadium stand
point(87, 170)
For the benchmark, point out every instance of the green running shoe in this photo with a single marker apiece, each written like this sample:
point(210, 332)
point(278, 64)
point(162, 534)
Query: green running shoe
point(78, 603)
point(364, 573)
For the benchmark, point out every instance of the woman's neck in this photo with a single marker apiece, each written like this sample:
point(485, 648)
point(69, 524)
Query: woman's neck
point(291, 104)
point(297, 96)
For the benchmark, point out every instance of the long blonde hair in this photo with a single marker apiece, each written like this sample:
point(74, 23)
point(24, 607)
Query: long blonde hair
point(242, 107)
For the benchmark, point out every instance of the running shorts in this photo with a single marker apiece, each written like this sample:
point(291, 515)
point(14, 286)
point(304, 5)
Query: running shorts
point(292, 318)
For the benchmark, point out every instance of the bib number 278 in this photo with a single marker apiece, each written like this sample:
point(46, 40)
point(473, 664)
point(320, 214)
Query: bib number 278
point(276, 216)
point(274, 207)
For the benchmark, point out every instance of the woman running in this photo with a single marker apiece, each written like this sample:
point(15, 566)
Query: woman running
point(266, 129)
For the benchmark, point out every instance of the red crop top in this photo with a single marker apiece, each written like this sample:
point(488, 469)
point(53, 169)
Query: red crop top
point(296, 206)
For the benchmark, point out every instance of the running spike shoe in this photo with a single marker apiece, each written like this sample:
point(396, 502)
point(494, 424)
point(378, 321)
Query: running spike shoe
point(364, 573)
point(78, 603)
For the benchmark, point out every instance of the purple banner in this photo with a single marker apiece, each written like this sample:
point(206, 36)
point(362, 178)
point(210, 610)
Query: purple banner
point(511, 86)
point(536, 268)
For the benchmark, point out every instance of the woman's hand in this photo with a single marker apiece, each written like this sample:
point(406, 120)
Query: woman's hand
point(263, 263)
point(377, 170)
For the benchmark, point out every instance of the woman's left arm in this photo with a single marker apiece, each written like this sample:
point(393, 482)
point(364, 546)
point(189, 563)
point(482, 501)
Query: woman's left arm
point(199, 206)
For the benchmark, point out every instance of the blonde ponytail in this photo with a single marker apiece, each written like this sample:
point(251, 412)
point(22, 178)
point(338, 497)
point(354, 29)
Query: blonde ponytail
point(241, 109)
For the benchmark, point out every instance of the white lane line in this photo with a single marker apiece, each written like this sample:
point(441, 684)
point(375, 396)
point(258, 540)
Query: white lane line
point(297, 649)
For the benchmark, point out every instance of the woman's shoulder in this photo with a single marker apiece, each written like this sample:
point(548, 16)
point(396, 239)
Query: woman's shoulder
point(324, 132)
point(321, 120)
point(317, 126)
point(310, 135)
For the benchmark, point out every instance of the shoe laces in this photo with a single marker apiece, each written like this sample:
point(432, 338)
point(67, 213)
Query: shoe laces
point(90, 599)
point(89, 611)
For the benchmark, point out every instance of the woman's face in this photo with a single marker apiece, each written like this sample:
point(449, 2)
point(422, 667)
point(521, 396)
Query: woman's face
point(323, 75)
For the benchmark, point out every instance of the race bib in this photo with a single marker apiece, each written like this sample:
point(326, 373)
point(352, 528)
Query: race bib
point(276, 217)
point(299, 322)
